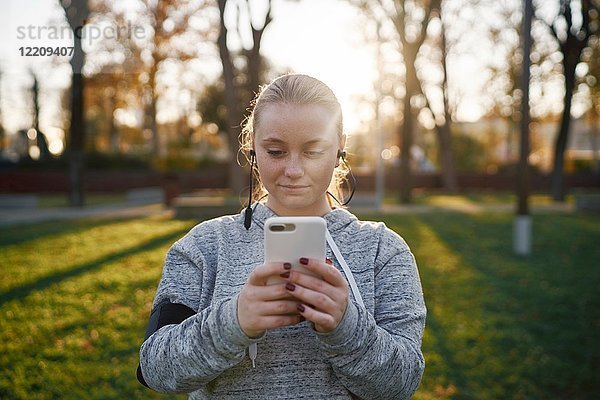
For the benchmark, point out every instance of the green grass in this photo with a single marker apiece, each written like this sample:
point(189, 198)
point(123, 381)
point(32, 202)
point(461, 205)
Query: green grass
point(501, 326)
point(75, 297)
point(74, 302)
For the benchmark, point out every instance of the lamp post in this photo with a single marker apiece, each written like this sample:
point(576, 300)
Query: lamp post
point(522, 222)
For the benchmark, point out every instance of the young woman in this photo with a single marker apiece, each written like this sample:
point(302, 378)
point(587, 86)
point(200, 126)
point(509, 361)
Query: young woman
point(217, 330)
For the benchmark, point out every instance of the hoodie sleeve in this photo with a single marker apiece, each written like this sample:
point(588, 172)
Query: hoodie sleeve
point(181, 358)
point(379, 356)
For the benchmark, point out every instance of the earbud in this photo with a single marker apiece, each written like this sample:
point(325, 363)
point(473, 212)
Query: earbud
point(341, 154)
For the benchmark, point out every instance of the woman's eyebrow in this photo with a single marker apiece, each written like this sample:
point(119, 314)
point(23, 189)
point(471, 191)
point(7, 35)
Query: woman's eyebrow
point(272, 140)
point(313, 141)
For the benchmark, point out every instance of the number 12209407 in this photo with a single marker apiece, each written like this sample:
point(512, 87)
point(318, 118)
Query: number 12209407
point(45, 51)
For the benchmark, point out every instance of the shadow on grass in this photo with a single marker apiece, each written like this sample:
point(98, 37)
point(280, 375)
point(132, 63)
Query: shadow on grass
point(510, 327)
point(24, 233)
point(22, 291)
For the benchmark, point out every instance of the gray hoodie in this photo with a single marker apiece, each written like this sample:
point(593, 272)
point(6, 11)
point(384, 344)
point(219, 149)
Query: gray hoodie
point(374, 353)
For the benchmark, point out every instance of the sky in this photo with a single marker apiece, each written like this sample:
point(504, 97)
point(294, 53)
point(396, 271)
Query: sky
point(323, 38)
point(303, 38)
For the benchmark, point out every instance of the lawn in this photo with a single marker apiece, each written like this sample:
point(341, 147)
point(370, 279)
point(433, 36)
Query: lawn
point(75, 297)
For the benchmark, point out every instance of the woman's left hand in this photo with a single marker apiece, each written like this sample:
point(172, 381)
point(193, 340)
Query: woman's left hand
point(324, 297)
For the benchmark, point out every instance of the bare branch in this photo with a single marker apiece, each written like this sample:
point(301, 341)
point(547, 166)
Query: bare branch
point(239, 23)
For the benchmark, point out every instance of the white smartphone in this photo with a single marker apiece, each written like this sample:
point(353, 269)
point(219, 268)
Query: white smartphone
point(287, 239)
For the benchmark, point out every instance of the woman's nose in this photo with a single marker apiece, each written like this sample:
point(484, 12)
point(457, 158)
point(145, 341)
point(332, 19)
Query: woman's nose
point(293, 168)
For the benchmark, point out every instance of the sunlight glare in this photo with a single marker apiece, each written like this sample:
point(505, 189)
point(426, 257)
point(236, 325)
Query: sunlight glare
point(326, 44)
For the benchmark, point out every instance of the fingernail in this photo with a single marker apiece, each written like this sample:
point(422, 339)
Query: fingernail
point(285, 274)
point(300, 308)
point(304, 261)
point(290, 286)
point(287, 266)
point(328, 261)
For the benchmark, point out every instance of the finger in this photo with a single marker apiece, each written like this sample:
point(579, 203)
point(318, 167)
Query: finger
point(322, 321)
point(279, 307)
point(261, 273)
point(319, 285)
point(267, 293)
point(328, 272)
point(320, 301)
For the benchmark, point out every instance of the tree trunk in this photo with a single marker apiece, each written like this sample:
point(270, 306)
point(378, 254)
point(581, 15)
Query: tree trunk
point(151, 124)
point(237, 177)
point(558, 187)
point(113, 134)
point(407, 139)
point(408, 121)
point(444, 131)
point(254, 60)
point(77, 13)
point(412, 85)
point(446, 157)
point(254, 64)
point(571, 48)
point(523, 182)
point(77, 140)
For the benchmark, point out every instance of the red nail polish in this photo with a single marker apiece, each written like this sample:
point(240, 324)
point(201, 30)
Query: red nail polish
point(328, 261)
point(287, 266)
point(304, 261)
point(300, 308)
point(285, 274)
point(290, 286)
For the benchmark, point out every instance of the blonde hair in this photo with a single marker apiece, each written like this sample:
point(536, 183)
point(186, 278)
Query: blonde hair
point(301, 90)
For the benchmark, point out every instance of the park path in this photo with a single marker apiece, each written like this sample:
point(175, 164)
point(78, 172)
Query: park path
point(468, 208)
point(24, 216)
point(14, 217)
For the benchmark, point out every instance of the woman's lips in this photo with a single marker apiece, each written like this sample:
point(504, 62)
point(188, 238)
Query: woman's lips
point(293, 188)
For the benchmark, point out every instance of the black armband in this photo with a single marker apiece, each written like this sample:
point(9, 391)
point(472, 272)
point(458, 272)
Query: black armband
point(166, 313)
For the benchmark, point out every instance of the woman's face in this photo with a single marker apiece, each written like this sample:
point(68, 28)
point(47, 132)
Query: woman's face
point(296, 151)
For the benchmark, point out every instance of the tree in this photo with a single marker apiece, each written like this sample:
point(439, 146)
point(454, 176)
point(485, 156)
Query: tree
point(410, 20)
point(443, 129)
point(77, 12)
point(504, 88)
point(576, 23)
point(411, 43)
point(233, 92)
point(169, 20)
point(116, 83)
point(592, 81)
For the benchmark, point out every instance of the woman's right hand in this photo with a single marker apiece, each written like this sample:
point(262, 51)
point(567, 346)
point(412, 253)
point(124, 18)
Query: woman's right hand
point(261, 306)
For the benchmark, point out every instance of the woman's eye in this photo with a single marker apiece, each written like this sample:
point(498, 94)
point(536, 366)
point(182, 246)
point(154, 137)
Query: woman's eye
point(315, 153)
point(275, 153)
